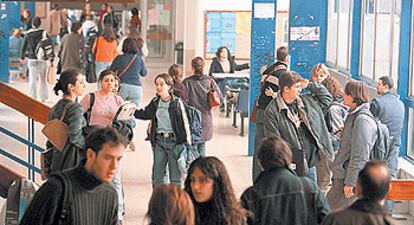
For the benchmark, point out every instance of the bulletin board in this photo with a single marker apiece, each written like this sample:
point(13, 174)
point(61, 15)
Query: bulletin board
point(230, 29)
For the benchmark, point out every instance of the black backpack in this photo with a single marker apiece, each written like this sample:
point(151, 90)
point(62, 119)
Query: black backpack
point(44, 50)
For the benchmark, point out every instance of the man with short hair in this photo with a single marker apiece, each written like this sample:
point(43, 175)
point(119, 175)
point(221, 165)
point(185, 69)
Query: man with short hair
point(55, 20)
point(278, 196)
point(298, 119)
point(372, 188)
point(37, 68)
point(83, 194)
point(270, 86)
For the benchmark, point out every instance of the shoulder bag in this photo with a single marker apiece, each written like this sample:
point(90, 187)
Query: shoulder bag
point(56, 131)
point(126, 68)
point(213, 96)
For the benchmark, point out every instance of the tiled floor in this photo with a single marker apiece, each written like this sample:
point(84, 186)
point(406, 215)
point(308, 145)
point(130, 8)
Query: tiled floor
point(136, 168)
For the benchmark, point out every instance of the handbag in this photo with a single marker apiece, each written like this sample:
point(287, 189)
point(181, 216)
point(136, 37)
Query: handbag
point(56, 131)
point(126, 68)
point(212, 95)
point(51, 75)
point(253, 116)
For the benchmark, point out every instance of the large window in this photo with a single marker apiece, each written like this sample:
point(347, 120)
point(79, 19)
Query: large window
point(339, 33)
point(380, 38)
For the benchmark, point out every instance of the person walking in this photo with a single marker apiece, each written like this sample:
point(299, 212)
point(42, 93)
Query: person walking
point(37, 68)
point(105, 49)
point(72, 49)
point(198, 85)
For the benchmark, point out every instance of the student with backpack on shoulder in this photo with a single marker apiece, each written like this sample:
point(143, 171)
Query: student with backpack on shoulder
point(35, 40)
point(361, 141)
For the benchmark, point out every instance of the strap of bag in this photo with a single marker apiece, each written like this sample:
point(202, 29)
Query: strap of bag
point(210, 84)
point(127, 67)
point(65, 216)
point(65, 109)
point(91, 103)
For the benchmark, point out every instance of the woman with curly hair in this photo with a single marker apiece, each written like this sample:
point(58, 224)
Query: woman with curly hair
point(210, 189)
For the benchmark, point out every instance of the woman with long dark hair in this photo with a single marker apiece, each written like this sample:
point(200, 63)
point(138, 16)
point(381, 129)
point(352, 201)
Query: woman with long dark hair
point(169, 131)
point(198, 85)
point(72, 84)
point(209, 186)
point(170, 205)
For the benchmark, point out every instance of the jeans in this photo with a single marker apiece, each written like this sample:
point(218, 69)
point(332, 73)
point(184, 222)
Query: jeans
point(117, 182)
point(199, 149)
point(131, 93)
point(37, 70)
point(393, 166)
point(167, 151)
point(101, 66)
point(259, 135)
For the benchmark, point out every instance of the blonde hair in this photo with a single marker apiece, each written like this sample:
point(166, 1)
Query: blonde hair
point(321, 67)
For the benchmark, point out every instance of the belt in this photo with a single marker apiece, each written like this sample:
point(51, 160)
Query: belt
point(166, 135)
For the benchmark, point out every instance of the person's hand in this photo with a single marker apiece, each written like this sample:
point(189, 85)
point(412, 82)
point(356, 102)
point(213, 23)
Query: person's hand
point(263, 68)
point(348, 191)
point(304, 83)
point(339, 132)
point(21, 61)
point(269, 92)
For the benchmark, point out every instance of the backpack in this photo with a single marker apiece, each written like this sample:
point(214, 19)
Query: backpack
point(44, 50)
point(194, 118)
point(382, 146)
point(65, 217)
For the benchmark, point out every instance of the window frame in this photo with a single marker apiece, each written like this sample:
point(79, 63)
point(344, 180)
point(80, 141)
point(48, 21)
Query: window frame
point(337, 8)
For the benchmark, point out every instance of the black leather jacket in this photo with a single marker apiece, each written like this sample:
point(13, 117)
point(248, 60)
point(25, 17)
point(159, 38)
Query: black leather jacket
point(280, 197)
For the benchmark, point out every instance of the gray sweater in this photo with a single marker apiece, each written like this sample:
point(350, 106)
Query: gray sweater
point(358, 138)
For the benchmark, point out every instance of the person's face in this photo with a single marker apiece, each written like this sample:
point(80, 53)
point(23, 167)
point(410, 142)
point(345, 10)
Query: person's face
point(26, 15)
point(79, 87)
point(223, 53)
point(108, 83)
point(349, 101)
point(105, 163)
point(202, 186)
point(179, 73)
point(88, 7)
point(110, 9)
point(293, 92)
point(319, 76)
point(103, 7)
point(381, 88)
point(161, 87)
point(16, 32)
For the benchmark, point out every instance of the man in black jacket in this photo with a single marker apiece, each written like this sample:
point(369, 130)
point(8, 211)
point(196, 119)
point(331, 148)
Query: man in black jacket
point(37, 68)
point(83, 194)
point(268, 90)
point(278, 196)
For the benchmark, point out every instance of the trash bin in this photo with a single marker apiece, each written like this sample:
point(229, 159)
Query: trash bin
point(179, 53)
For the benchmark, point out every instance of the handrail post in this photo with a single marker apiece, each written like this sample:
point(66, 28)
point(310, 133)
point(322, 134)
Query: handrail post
point(30, 149)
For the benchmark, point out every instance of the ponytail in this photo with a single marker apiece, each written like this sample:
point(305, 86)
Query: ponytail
point(198, 65)
point(67, 77)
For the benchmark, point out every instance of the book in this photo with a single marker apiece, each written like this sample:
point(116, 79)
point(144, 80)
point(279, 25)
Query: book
point(125, 111)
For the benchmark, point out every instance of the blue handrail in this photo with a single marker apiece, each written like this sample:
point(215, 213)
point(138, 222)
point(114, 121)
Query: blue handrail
point(18, 160)
point(21, 139)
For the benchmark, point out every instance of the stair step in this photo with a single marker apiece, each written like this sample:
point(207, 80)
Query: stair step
point(400, 207)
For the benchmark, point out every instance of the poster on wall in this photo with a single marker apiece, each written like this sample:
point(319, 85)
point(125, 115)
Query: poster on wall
point(230, 29)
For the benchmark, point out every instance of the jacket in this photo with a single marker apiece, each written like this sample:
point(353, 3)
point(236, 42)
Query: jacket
point(264, 100)
point(54, 19)
point(135, 71)
point(72, 51)
point(311, 106)
point(335, 116)
point(216, 66)
point(181, 129)
point(389, 109)
point(197, 88)
point(30, 42)
point(279, 197)
point(73, 151)
point(358, 138)
point(363, 212)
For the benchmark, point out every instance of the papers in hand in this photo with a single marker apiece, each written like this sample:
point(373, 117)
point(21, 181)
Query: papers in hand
point(125, 111)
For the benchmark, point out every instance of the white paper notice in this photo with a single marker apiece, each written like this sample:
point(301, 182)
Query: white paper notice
point(304, 33)
point(264, 10)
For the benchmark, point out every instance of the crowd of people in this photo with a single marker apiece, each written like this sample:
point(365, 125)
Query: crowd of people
point(313, 148)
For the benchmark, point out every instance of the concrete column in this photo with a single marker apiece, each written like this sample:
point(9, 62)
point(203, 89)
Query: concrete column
point(307, 34)
point(262, 50)
point(190, 25)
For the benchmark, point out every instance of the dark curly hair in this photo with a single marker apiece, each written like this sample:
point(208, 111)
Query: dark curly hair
point(221, 49)
point(224, 201)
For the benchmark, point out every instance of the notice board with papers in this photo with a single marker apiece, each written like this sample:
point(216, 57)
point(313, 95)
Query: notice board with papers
point(230, 29)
